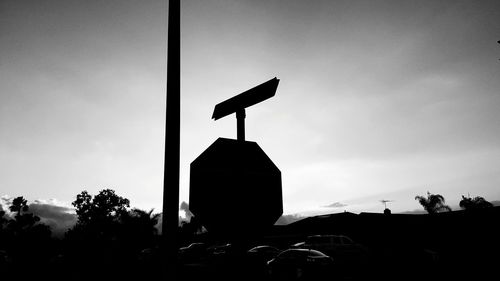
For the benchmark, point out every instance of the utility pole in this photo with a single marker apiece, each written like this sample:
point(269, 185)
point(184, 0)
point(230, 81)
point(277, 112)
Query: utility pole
point(170, 217)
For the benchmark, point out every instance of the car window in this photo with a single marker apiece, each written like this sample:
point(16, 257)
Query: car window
point(336, 240)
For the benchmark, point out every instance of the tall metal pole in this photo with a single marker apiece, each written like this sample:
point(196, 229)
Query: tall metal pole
point(172, 144)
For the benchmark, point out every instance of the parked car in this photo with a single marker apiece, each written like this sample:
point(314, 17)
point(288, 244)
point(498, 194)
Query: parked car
point(337, 246)
point(255, 261)
point(193, 252)
point(299, 264)
point(260, 255)
point(220, 250)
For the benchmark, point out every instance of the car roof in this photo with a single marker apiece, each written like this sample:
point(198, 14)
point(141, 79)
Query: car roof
point(315, 252)
point(263, 247)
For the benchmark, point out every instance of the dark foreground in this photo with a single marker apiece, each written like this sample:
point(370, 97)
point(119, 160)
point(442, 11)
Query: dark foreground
point(449, 246)
point(379, 264)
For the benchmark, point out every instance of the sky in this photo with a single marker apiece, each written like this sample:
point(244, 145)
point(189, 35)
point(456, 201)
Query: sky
point(378, 100)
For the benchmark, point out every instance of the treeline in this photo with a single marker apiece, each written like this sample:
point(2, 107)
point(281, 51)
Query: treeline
point(109, 238)
point(435, 203)
point(23, 239)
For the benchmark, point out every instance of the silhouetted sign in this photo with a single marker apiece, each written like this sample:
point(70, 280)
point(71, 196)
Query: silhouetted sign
point(235, 189)
point(248, 98)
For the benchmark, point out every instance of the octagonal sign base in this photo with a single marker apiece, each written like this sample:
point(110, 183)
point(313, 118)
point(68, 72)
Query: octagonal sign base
point(235, 189)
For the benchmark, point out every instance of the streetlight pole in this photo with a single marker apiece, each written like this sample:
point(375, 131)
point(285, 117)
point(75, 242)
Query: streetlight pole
point(170, 218)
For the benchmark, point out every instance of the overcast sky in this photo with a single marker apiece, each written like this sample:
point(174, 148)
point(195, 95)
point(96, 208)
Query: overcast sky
point(377, 99)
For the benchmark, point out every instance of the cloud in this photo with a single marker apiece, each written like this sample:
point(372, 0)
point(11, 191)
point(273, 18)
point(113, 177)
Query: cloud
point(5, 202)
point(51, 212)
point(185, 207)
point(335, 205)
point(414, 212)
point(54, 212)
point(59, 218)
point(495, 203)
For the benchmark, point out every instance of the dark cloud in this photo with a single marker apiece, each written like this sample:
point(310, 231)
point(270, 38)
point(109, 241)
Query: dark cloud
point(185, 207)
point(414, 212)
point(59, 218)
point(50, 211)
point(336, 205)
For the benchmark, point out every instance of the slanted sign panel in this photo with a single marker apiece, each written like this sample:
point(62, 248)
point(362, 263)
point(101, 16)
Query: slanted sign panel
point(246, 99)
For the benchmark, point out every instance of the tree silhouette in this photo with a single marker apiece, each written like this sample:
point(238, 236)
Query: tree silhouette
point(100, 215)
point(433, 203)
point(19, 205)
point(107, 232)
point(104, 207)
point(3, 220)
point(143, 220)
point(25, 238)
point(3, 228)
point(95, 238)
point(477, 202)
point(138, 229)
point(24, 223)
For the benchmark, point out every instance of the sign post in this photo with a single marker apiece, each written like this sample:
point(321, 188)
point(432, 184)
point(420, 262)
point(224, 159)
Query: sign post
point(235, 188)
point(170, 215)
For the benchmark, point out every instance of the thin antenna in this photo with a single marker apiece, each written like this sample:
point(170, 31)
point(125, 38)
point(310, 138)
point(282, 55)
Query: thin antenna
point(384, 201)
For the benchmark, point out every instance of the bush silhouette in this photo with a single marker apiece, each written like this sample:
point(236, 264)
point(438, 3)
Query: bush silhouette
point(433, 203)
point(477, 202)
